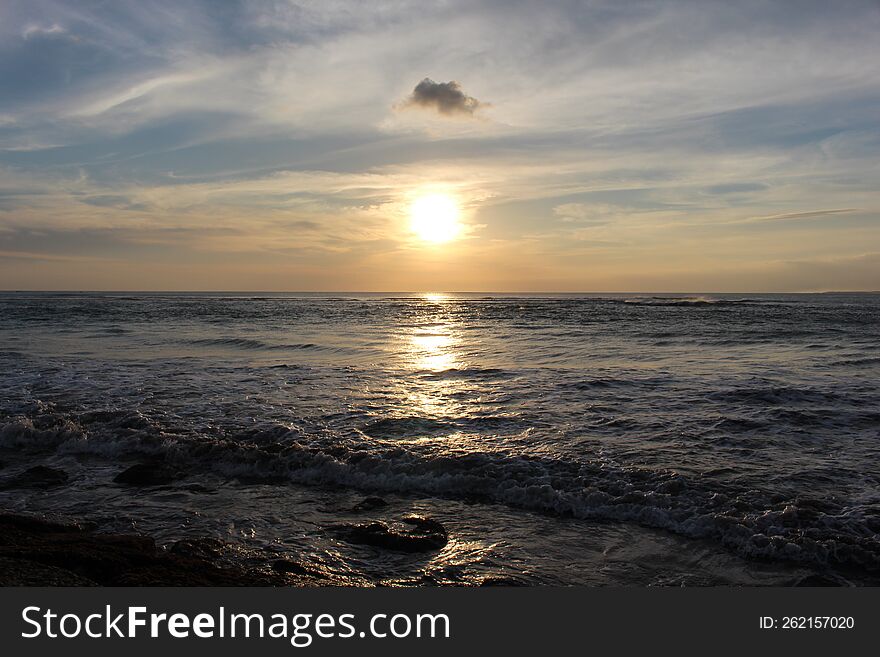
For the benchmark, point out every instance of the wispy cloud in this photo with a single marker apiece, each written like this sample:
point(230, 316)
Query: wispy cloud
point(202, 128)
point(32, 29)
point(586, 213)
point(809, 214)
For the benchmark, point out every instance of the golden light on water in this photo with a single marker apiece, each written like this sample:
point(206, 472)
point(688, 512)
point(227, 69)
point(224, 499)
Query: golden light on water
point(431, 347)
point(435, 218)
point(433, 351)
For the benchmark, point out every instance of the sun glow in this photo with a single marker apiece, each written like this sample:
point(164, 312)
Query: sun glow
point(434, 218)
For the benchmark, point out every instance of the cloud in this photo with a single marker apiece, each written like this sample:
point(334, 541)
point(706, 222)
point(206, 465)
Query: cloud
point(609, 127)
point(583, 213)
point(116, 201)
point(445, 98)
point(800, 215)
point(735, 188)
point(32, 30)
point(27, 255)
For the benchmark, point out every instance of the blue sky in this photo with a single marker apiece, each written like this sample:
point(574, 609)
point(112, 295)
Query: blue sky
point(277, 145)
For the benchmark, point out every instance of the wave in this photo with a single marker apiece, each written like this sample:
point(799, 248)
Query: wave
point(248, 343)
point(773, 395)
point(406, 427)
point(469, 373)
point(752, 522)
point(859, 362)
point(598, 383)
point(411, 427)
point(24, 434)
point(685, 301)
point(738, 425)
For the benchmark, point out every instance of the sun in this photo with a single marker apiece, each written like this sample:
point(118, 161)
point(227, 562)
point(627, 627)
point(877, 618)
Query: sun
point(434, 218)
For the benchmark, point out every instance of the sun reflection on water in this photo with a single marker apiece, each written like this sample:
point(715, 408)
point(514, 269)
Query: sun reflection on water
point(433, 350)
point(432, 346)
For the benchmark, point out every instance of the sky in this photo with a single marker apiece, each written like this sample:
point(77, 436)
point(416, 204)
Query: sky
point(589, 146)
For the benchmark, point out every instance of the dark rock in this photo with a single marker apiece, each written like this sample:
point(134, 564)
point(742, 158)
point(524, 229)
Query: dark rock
point(36, 552)
point(35, 525)
point(369, 504)
point(420, 535)
point(23, 572)
point(39, 476)
point(146, 474)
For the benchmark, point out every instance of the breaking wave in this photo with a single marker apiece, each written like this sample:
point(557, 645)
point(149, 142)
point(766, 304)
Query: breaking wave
point(752, 522)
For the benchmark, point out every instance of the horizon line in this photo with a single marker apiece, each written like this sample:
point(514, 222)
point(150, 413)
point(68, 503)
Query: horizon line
point(423, 292)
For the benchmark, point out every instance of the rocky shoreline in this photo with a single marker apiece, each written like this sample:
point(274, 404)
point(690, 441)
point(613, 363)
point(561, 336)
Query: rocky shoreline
point(39, 552)
point(36, 551)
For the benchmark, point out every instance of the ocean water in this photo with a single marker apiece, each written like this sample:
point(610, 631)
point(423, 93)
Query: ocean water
point(608, 439)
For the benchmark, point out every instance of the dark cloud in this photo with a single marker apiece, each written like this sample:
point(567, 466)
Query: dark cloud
point(446, 98)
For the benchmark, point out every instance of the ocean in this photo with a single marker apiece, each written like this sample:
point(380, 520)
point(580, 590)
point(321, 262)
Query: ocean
point(639, 439)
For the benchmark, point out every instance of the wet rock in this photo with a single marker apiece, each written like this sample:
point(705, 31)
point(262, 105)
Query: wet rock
point(412, 534)
point(39, 476)
point(37, 552)
point(369, 504)
point(22, 572)
point(146, 474)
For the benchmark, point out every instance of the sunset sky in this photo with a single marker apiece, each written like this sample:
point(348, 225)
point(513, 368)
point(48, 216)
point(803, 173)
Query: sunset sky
point(581, 146)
